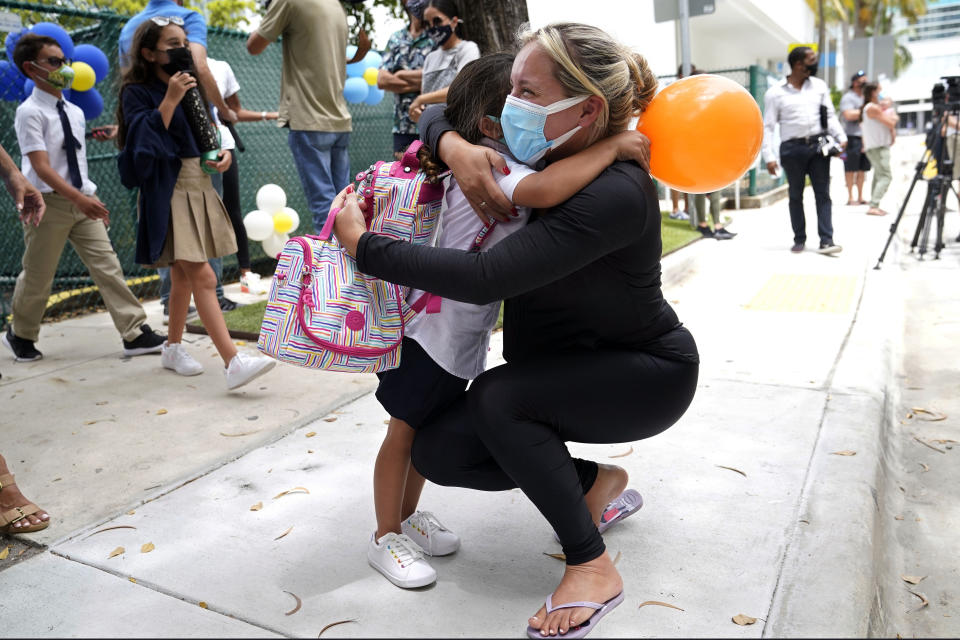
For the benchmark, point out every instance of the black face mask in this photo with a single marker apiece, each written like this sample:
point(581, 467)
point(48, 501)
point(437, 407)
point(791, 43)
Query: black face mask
point(440, 34)
point(179, 60)
point(813, 68)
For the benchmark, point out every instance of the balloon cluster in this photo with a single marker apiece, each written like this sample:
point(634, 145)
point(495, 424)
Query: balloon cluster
point(90, 66)
point(272, 221)
point(361, 85)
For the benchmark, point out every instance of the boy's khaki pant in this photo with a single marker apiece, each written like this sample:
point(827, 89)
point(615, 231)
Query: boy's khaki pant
point(44, 244)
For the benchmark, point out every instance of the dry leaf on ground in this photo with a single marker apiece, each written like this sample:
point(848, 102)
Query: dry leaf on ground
point(555, 556)
point(731, 469)
point(202, 604)
point(330, 419)
point(89, 422)
point(102, 402)
point(311, 434)
point(923, 600)
point(898, 517)
point(284, 533)
point(912, 579)
point(116, 552)
point(257, 507)
point(238, 435)
point(296, 608)
point(935, 416)
point(161, 412)
point(333, 624)
point(845, 452)
point(147, 548)
point(133, 580)
point(660, 604)
point(926, 467)
point(623, 455)
point(928, 445)
point(289, 491)
point(131, 512)
point(743, 620)
point(119, 526)
point(5, 553)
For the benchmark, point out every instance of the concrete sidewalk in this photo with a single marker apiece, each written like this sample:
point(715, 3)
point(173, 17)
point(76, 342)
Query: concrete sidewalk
point(754, 503)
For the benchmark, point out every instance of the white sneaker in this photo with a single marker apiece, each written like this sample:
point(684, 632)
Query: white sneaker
point(244, 368)
point(400, 561)
point(431, 536)
point(175, 357)
point(250, 282)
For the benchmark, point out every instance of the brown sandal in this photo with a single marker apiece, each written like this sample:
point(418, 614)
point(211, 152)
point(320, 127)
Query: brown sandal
point(7, 518)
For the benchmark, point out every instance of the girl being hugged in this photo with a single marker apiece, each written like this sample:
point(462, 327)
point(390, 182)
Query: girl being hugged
point(443, 350)
point(181, 221)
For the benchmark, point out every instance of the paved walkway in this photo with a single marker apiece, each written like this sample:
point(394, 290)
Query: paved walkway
point(755, 501)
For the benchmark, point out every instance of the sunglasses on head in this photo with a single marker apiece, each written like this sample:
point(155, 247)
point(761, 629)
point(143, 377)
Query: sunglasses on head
point(162, 21)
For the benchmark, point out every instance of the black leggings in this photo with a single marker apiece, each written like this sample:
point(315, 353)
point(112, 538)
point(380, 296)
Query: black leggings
point(231, 200)
point(509, 430)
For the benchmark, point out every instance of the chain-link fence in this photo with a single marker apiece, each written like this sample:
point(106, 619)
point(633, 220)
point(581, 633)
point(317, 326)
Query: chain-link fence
point(267, 158)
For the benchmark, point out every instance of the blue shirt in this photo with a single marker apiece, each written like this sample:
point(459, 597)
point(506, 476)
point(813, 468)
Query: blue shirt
point(193, 24)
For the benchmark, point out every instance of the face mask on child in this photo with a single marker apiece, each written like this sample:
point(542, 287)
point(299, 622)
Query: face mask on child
point(440, 34)
point(60, 78)
point(523, 123)
point(179, 60)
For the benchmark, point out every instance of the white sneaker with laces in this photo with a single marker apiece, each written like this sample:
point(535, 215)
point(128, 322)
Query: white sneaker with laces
point(176, 358)
point(400, 561)
point(431, 536)
point(243, 368)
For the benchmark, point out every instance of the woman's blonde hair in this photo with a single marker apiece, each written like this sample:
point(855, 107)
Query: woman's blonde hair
point(590, 62)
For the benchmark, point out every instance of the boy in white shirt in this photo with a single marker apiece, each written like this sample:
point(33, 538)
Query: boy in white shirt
point(50, 132)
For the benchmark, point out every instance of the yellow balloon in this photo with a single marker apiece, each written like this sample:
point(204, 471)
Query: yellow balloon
point(282, 222)
point(370, 75)
point(83, 76)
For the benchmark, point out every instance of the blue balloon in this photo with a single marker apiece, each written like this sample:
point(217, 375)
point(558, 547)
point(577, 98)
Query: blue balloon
point(58, 33)
point(11, 43)
point(372, 59)
point(374, 95)
point(90, 102)
point(94, 57)
point(355, 90)
point(28, 86)
point(11, 82)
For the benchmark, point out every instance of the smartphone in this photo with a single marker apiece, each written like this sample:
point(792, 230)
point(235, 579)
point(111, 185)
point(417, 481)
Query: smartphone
point(96, 130)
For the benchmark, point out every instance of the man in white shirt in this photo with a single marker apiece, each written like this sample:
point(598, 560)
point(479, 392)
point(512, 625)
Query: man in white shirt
point(795, 104)
point(50, 132)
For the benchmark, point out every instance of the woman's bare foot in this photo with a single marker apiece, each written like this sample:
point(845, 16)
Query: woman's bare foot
point(594, 581)
point(11, 498)
point(610, 483)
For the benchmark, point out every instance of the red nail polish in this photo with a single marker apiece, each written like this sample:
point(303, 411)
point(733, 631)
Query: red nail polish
point(513, 212)
point(506, 171)
point(349, 188)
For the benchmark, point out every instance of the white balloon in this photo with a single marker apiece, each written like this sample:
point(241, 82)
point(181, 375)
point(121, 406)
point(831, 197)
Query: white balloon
point(259, 225)
point(271, 198)
point(293, 216)
point(273, 245)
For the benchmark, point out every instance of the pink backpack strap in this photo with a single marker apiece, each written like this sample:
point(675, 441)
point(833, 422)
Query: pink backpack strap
point(327, 230)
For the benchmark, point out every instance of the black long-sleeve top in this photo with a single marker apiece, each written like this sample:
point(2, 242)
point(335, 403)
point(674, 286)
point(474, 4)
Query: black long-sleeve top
point(585, 275)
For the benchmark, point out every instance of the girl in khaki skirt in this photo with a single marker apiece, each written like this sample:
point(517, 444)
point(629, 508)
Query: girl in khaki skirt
point(182, 222)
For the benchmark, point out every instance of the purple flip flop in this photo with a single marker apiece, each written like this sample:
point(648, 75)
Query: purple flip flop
point(584, 627)
point(620, 508)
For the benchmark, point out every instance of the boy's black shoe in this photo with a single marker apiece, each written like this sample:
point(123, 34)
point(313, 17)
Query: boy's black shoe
point(146, 342)
point(829, 249)
point(706, 232)
point(23, 350)
point(226, 304)
point(723, 234)
point(797, 247)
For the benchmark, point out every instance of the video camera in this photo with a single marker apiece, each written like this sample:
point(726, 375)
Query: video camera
point(946, 97)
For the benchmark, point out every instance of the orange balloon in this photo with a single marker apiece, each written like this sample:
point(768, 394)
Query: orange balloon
point(705, 132)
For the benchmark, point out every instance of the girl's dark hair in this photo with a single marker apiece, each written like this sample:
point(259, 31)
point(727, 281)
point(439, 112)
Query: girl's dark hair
point(451, 9)
point(479, 90)
point(869, 92)
point(138, 70)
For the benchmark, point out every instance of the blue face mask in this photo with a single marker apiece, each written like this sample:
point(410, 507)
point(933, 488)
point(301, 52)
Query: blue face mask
point(522, 123)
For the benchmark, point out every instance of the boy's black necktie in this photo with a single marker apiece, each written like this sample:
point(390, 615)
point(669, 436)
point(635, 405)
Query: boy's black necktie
point(70, 144)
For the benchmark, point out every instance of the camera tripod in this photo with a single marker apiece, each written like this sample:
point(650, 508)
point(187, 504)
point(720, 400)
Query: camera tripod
point(939, 186)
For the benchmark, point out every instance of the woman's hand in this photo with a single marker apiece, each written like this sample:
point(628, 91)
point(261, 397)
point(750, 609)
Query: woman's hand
point(226, 159)
point(178, 85)
point(633, 145)
point(349, 224)
point(472, 166)
point(416, 109)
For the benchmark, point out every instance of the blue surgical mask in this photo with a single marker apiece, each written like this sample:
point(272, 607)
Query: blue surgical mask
point(501, 139)
point(522, 123)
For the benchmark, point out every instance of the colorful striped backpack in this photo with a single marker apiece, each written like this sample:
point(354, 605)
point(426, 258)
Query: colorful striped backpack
point(322, 312)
